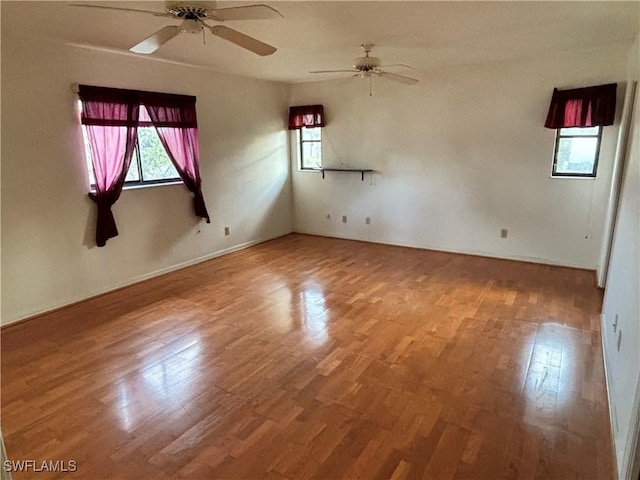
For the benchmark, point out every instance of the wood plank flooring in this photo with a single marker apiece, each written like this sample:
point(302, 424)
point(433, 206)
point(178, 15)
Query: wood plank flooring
point(309, 357)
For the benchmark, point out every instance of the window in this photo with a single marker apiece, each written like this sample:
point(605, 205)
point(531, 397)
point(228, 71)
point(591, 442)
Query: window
point(578, 115)
point(310, 141)
point(308, 120)
point(119, 125)
point(150, 163)
point(576, 152)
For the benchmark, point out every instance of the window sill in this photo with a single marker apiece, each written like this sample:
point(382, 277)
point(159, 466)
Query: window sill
point(145, 185)
point(573, 177)
point(151, 185)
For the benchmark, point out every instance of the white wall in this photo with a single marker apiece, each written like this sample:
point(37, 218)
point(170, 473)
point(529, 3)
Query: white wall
point(622, 296)
point(48, 222)
point(459, 156)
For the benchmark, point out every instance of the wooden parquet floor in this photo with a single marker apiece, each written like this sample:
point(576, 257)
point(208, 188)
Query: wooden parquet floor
point(309, 357)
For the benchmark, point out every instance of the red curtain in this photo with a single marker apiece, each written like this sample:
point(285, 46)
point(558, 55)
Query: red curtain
point(110, 117)
point(174, 117)
point(306, 116)
point(582, 107)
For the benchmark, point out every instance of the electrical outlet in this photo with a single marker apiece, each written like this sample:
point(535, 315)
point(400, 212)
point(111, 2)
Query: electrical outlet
point(227, 231)
point(503, 233)
point(344, 219)
point(615, 324)
point(367, 220)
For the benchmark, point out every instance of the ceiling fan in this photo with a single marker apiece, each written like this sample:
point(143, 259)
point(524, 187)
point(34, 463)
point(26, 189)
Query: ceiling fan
point(193, 16)
point(368, 67)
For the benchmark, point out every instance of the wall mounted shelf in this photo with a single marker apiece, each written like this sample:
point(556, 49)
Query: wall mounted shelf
point(361, 171)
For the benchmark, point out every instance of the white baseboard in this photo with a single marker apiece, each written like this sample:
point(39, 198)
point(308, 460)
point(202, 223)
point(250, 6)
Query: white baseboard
point(140, 278)
point(612, 420)
point(631, 460)
point(477, 253)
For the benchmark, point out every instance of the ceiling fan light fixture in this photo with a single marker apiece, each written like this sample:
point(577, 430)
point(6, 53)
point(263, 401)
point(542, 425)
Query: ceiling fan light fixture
point(191, 26)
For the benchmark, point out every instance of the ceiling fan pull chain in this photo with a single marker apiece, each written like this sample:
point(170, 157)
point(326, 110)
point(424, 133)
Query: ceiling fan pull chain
point(371, 86)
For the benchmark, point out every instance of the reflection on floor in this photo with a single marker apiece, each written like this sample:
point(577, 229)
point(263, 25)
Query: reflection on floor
point(314, 357)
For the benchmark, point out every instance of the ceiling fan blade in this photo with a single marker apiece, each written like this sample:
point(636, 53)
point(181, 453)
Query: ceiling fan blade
point(155, 41)
point(248, 12)
point(398, 78)
point(333, 71)
point(158, 14)
point(242, 40)
point(397, 65)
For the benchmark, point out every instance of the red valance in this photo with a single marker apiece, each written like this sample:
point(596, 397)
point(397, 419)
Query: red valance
point(582, 107)
point(306, 116)
point(112, 107)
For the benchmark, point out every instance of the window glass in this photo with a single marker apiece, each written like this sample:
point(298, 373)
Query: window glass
point(576, 152)
point(311, 153)
point(310, 140)
point(310, 133)
point(579, 131)
point(154, 160)
point(576, 155)
point(133, 175)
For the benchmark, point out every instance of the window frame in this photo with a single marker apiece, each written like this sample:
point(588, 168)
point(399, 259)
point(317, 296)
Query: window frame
point(559, 136)
point(301, 141)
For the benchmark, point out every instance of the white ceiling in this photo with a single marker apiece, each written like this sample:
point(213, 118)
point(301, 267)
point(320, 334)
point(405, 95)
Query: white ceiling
point(321, 35)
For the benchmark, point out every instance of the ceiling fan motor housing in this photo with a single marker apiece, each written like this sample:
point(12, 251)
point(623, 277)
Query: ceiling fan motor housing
point(189, 11)
point(366, 64)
